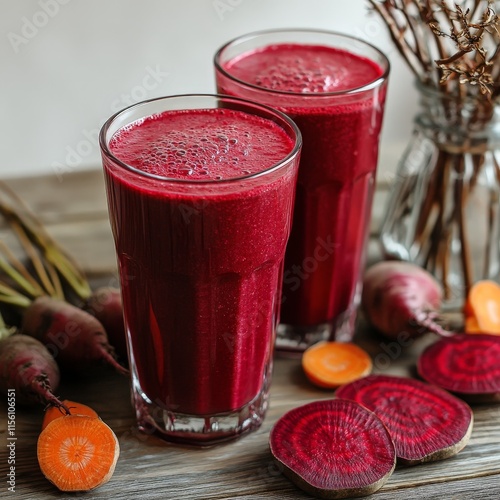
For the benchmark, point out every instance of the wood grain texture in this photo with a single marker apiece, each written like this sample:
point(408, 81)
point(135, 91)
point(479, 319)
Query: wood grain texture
point(74, 211)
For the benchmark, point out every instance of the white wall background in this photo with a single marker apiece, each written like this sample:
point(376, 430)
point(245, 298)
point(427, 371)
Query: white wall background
point(67, 65)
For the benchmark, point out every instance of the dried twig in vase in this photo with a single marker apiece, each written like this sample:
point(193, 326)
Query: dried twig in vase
point(454, 51)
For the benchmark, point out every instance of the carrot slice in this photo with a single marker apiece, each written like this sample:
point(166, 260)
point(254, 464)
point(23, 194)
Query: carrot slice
point(331, 364)
point(75, 408)
point(77, 452)
point(471, 326)
point(483, 303)
point(467, 309)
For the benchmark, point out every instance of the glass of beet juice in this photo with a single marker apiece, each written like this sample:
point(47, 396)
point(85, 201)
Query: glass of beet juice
point(333, 86)
point(200, 192)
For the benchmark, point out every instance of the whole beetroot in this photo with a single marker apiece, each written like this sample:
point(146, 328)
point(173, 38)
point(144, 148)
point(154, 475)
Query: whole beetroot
point(74, 337)
point(401, 297)
point(27, 367)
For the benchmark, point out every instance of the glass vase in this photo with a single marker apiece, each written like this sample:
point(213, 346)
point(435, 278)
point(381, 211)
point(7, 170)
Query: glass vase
point(443, 211)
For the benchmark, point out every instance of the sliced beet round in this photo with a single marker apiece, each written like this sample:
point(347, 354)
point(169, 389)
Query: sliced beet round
point(426, 423)
point(467, 365)
point(333, 449)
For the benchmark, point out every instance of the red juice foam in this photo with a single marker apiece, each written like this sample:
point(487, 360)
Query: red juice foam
point(337, 168)
point(201, 258)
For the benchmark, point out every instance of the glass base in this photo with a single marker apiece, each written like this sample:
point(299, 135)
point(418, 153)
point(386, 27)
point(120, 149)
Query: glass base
point(199, 430)
point(293, 340)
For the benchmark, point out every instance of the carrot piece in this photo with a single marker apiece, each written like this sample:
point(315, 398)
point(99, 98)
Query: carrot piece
point(77, 452)
point(75, 409)
point(331, 364)
point(483, 303)
point(467, 309)
point(471, 326)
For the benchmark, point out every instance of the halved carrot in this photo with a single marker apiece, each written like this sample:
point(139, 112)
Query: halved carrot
point(75, 409)
point(483, 303)
point(467, 309)
point(471, 326)
point(331, 364)
point(77, 452)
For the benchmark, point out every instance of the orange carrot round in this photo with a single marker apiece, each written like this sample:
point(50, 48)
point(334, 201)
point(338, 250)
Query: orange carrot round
point(75, 409)
point(483, 305)
point(471, 326)
point(77, 452)
point(331, 364)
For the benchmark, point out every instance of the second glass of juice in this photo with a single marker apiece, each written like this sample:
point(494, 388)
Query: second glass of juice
point(333, 86)
point(200, 193)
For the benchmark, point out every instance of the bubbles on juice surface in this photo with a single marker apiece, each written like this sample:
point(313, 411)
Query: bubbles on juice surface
point(296, 74)
point(211, 144)
point(302, 68)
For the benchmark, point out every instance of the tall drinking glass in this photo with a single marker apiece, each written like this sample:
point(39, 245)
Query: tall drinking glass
point(333, 86)
point(200, 192)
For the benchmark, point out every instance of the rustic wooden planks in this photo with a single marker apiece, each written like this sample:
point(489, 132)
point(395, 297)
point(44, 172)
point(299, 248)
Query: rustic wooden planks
point(74, 212)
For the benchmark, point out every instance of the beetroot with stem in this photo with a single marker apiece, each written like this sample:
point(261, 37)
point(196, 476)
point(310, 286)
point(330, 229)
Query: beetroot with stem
point(27, 366)
point(75, 338)
point(426, 423)
point(333, 449)
point(401, 297)
point(47, 255)
point(467, 365)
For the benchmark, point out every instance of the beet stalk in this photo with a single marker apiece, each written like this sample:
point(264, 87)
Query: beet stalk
point(426, 423)
point(5, 331)
point(104, 303)
point(27, 367)
point(333, 449)
point(467, 365)
point(402, 297)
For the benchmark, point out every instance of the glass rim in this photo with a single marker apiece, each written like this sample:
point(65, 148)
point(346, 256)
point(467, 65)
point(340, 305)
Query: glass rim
point(104, 142)
point(319, 95)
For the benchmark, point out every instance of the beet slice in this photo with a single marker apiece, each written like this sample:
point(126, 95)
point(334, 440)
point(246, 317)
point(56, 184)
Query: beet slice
point(426, 423)
point(333, 449)
point(467, 365)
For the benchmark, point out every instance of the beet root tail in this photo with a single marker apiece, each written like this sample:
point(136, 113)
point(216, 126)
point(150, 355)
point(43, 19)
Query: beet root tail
point(109, 359)
point(427, 321)
point(41, 387)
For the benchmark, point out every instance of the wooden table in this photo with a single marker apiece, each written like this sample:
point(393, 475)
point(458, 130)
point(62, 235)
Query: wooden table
point(73, 209)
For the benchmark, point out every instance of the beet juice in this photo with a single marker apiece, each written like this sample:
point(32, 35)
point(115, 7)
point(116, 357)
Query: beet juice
point(334, 88)
point(200, 192)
